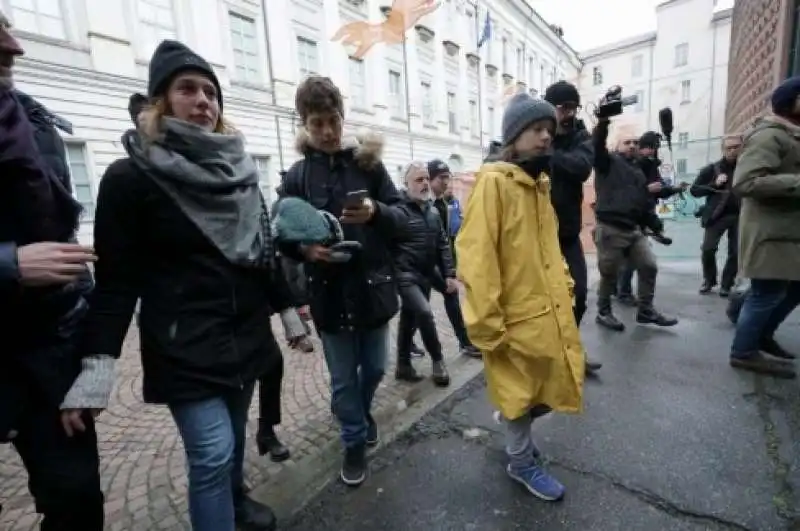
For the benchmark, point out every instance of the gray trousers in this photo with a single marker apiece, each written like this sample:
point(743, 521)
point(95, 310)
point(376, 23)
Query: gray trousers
point(614, 247)
point(520, 447)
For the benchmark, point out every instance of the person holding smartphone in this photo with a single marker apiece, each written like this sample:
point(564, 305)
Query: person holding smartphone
point(352, 289)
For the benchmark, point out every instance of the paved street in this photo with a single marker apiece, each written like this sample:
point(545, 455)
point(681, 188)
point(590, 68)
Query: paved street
point(672, 439)
point(143, 465)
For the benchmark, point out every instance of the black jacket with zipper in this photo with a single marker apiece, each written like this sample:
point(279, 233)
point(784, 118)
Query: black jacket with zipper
point(204, 322)
point(571, 166)
point(720, 200)
point(361, 293)
point(421, 244)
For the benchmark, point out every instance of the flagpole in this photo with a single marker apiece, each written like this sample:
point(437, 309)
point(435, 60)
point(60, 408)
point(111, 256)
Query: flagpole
point(408, 97)
point(478, 74)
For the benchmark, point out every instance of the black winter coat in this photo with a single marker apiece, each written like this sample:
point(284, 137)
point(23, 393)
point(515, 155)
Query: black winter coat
point(204, 322)
point(571, 165)
point(621, 188)
point(421, 244)
point(361, 293)
point(39, 326)
point(720, 200)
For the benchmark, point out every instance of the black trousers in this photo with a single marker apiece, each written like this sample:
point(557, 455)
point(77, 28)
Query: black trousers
point(63, 472)
point(269, 394)
point(576, 261)
point(416, 310)
point(711, 238)
point(452, 306)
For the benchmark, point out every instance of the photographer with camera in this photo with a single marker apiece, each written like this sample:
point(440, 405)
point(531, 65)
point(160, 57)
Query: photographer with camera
point(571, 166)
point(648, 161)
point(623, 209)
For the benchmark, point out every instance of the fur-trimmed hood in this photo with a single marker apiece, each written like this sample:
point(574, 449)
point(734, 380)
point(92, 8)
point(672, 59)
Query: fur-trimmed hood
point(367, 147)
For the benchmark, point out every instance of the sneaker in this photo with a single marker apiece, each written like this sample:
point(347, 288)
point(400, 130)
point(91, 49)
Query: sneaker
point(251, 515)
point(417, 351)
point(354, 467)
point(537, 481)
point(406, 372)
point(773, 348)
point(373, 435)
point(757, 363)
point(608, 320)
point(706, 287)
point(653, 317)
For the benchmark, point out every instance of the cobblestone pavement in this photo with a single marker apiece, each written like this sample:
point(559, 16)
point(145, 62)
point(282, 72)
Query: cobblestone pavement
point(142, 459)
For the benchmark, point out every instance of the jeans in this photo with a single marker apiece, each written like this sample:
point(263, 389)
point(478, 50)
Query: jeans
point(416, 309)
point(576, 261)
point(213, 433)
point(767, 305)
point(356, 361)
point(63, 472)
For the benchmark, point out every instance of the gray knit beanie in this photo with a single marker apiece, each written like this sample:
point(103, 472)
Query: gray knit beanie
point(521, 112)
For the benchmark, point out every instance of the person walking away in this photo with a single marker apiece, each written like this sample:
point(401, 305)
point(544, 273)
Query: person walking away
point(768, 183)
point(351, 302)
point(623, 208)
point(440, 178)
point(572, 166)
point(164, 234)
point(720, 215)
point(518, 305)
point(647, 159)
point(455, 215)
point(421, 247)
point(44, 282)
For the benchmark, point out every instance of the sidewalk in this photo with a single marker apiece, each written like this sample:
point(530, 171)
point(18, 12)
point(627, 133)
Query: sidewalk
point(142, 459)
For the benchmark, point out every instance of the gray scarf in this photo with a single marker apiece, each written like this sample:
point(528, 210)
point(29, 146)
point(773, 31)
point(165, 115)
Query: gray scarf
point(214, 182)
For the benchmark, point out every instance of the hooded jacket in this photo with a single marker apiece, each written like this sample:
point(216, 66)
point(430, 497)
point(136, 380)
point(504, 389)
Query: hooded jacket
point(361, 293)
point(767, 179)
point(422, 244)
point(720, 201)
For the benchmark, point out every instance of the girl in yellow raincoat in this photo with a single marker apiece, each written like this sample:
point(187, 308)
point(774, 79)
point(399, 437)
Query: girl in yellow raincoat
point(518, 307)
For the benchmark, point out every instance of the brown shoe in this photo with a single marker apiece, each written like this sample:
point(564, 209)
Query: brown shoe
point(757, 363)
point(773, 348)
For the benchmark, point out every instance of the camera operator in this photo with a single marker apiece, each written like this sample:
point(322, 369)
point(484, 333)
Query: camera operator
point(649, 162)
point(571, 166)
point(623, 208)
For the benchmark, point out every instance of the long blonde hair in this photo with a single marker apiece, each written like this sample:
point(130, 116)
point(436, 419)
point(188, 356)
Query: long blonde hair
point(150, 119)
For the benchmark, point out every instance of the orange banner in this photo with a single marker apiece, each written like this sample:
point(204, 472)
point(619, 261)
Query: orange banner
point(404, 15)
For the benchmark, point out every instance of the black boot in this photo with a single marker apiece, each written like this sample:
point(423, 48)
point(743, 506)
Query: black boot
point(354, 466)
point(252, 515)
point(591, 367)
point(709, 261)
point(706, 287)
point(407, 373)
point(441, 378)
point(268, 443)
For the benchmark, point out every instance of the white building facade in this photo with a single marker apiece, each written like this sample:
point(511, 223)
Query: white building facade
point(682, 65)
point(84, 58)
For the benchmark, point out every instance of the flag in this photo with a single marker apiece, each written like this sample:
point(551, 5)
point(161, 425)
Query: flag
point(486, 33)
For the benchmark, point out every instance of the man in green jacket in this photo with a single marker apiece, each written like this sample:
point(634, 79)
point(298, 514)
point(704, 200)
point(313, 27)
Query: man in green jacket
point(767, 179)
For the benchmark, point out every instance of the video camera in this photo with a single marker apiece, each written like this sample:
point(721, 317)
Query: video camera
point(612, 104)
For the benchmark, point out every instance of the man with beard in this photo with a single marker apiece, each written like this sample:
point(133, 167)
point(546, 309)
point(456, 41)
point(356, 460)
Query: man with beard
point(719, 215)
point(623, 209)
point(768, 183)
point(571, 167)
point(47, 389)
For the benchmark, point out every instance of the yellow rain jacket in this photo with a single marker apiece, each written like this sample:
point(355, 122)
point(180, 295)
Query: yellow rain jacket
point(518, 307)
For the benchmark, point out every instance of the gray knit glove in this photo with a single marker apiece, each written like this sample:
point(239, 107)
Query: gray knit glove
point(92, 388)
point(293, 326)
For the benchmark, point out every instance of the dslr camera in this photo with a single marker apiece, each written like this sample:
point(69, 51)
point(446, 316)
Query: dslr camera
point(613, 103)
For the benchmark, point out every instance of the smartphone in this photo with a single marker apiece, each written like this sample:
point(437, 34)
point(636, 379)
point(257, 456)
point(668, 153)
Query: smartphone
point(355, 198)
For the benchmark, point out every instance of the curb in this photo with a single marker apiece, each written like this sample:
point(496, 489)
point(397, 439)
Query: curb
point(297, 483)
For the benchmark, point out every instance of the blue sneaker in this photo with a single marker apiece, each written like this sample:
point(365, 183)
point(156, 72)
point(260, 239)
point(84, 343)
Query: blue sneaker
point(538, 482)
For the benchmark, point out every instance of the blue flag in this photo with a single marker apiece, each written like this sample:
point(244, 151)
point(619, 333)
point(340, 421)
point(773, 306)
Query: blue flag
point(486, 34)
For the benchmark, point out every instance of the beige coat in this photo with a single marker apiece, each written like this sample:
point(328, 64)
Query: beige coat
point(767, 179)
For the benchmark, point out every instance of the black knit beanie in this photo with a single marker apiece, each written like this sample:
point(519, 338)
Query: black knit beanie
point(650, 139)
point(784, 96)
point(172, 58)
point(562, 92)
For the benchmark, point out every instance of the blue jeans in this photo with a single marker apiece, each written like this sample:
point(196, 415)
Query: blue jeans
point(213, 433)
point(767, 305)
point(356, 361)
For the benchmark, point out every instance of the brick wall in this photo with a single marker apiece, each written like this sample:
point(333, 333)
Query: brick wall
point(759, 51)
